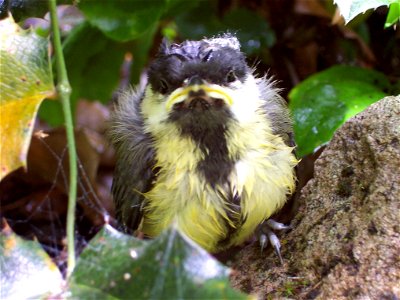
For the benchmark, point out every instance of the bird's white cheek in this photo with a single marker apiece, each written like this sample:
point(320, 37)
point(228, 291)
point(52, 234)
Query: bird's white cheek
point(153, 109)
point(246, 101)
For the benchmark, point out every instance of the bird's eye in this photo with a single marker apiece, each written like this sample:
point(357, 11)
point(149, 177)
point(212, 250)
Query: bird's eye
point(163, 86)
point(231, 76)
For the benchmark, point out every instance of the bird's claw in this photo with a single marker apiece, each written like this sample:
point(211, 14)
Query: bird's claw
point(267, 234)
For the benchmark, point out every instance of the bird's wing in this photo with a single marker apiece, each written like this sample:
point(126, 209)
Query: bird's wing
point(134, 173)
point(281, 121)
point(131, 180)
point(276, 110)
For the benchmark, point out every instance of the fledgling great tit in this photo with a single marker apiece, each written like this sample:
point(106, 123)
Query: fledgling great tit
point(205, 145)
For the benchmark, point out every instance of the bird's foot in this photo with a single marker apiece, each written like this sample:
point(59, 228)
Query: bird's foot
point(266, 233)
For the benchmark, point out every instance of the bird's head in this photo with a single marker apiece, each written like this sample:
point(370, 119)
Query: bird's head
point(202, 83)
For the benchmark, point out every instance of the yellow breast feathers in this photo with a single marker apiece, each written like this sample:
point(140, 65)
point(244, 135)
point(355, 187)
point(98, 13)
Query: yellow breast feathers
point(261, 178)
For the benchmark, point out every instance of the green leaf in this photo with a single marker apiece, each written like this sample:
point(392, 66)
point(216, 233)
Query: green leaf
point(26, 271)
point(324, 101)
point(251, 29)
point(170, 267)
point(177, 7)
point(140, 52)
point(393, 14)
point(349, 9)
point(93, 64)
point(123, 20)
point(26, 79)
point(199, 22)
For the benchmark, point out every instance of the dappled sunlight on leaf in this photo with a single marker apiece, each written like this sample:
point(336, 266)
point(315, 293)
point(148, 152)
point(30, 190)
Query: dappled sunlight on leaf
point(26, 270)
point(169, 267)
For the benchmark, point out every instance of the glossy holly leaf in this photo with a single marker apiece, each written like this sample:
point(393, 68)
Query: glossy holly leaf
point(26, 79)
point(123, 20)
point(349, 9)
point(170, 267)
point(26, 271)
point(324, 101)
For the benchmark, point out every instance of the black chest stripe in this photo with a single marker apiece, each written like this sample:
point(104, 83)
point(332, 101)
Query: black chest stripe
point(216, 165)
point(208, 131)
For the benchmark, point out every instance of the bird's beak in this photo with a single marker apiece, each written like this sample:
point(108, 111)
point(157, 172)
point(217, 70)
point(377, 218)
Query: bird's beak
point(197, 88)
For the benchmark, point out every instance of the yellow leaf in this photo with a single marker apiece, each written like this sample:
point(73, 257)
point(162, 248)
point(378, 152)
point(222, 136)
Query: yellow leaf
point(25, 80)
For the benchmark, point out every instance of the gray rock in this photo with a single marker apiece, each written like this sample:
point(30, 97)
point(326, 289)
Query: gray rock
point(346, 241)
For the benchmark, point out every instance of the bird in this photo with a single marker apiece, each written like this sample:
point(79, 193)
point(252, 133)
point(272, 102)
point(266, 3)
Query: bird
point(206, 146)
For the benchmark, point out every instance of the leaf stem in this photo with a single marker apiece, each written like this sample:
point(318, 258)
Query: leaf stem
point(64, 91)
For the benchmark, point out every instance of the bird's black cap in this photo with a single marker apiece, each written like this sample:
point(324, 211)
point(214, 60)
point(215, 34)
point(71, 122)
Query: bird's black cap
point(218, 61)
